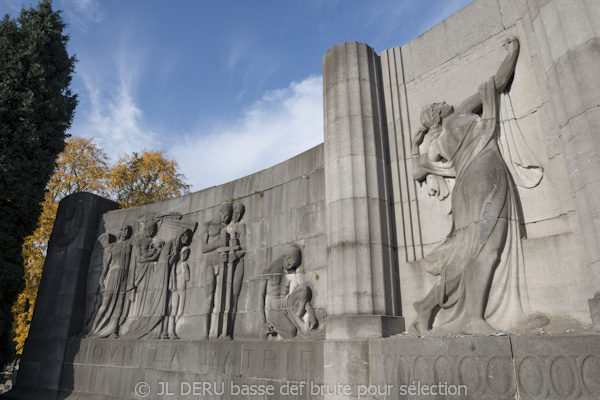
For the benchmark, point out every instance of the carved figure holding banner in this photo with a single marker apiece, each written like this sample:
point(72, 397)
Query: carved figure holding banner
point(481, 283)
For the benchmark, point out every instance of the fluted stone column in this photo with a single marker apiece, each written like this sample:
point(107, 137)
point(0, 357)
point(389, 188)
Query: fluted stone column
point(568, 36)
point(362, 278)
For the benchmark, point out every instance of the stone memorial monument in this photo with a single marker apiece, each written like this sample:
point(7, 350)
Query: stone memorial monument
point(449, 250)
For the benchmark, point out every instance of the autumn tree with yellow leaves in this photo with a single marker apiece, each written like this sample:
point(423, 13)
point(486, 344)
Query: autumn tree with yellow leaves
point(135, 180)
point(145, 178)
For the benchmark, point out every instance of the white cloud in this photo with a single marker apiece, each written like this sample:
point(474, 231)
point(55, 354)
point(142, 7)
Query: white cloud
point(282, 124)
point(112, 115)
point(82, 12)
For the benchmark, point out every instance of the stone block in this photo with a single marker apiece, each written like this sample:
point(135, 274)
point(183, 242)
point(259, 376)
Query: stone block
point(363, 326)
point(475, 23)
point(478, 367)
point(557, 367)
point(511, 11)
point(594, 305)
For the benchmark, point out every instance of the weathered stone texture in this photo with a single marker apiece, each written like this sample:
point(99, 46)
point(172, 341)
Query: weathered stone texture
point(361, 273)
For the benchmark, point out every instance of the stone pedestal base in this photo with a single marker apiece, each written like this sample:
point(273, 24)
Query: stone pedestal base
point(489, 368)
point(363, 326)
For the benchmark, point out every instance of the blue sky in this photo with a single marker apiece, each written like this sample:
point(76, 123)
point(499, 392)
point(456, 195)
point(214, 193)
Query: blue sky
point(227, 88)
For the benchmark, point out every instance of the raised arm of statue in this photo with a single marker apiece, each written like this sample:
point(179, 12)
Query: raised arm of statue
point(507, 68)
point(501, 78)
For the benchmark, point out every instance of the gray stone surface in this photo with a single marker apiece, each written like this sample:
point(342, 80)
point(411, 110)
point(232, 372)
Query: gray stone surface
point(559, 367)
point(568, 38)
point(361, 275)
point(363, 326)
point(478, 367)
point(595, 311)
point(115, 367)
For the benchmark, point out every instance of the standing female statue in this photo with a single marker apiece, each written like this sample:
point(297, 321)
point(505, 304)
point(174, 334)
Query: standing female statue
point(112, 286)
point(481, 282)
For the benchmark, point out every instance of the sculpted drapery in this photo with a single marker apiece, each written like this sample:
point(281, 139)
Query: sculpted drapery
point(481, 286)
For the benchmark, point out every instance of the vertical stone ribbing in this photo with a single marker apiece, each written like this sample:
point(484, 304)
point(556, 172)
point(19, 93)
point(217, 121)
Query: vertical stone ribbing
point(361, 277)
point(410, 244)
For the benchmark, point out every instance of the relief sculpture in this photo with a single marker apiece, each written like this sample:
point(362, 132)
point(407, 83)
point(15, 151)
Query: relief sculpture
point(481, 285)
point(153, 270)
point(223, 270)
point(143, 281)
point(112, 286)
point(237, 232)
point(180, 275)
point(286, 306)
point(93, 299)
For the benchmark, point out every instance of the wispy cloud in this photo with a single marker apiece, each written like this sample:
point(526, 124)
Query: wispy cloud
point(80, 13)
point(115, 121)
point(111, 113)
point(282, 124)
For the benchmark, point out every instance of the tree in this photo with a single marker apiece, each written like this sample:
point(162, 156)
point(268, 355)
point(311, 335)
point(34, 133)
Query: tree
point(36, 109)
point(145, 178)
point(81, 167)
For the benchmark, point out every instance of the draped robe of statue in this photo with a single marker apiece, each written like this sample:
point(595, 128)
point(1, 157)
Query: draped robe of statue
point(107, 322)
point(485, 223)
point(152, 299)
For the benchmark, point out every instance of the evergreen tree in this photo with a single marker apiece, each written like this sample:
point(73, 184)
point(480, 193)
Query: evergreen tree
point(36, 108)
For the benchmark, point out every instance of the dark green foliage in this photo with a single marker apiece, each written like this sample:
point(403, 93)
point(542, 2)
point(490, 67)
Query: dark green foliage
point(36, 109)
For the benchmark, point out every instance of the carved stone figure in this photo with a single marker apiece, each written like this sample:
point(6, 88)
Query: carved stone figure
point(93, 299)
point(235, 265)
point(215, 246)
point(112, 286)
point(480, 264)
point(180, 275)
point(286, 307)
point(147, 250)
point(150, 318)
